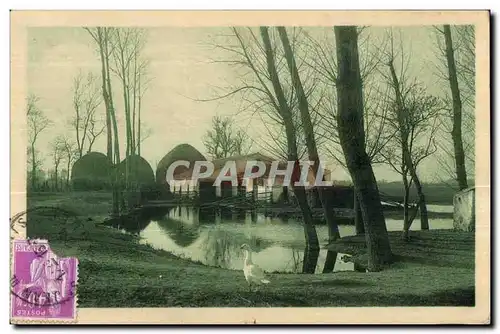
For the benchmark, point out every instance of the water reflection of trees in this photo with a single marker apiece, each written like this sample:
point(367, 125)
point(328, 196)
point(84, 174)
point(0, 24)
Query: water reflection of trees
point(181, 233)
point(135, 222)
point(218, 246)
point(128, 224)
point(221, 246)
point(297, 260)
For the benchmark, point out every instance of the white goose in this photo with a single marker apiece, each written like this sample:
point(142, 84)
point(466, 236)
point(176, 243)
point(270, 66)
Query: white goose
point(253, 273)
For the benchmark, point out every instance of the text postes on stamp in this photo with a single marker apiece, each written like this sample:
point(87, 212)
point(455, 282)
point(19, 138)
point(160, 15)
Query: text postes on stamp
point(43, 285)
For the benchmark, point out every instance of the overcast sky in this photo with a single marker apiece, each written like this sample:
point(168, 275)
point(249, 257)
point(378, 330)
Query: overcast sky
point(180, 70)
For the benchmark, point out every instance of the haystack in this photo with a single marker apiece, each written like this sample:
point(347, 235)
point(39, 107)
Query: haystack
point(140, 171)
point(180, 152)
point(91, 172)
point(139, 182)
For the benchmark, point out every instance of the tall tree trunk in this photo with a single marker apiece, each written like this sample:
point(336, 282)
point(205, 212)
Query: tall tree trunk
point(109, 97)
point(333, 230)
point(55, 178)
point(406, 217)
point(311, 253)
point(109, 134)
point(424, 216)
point(127, 119)
point(109, 142)
point(312, 244)
point(33, 167)
point(308, 133)
point(68, 165)
point(456, 132)
point(128, 151)
point(126, 100)
point(358, 216)
point(77, 128)
point(139, 119)
point(128, 128)
point(352, 139)
point(134, 104)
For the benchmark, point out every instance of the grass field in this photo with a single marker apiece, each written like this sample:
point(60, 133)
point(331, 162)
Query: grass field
point(435, 193)
point(116, 271)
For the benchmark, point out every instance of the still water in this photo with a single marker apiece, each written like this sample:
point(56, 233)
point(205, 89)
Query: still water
point(278, 245)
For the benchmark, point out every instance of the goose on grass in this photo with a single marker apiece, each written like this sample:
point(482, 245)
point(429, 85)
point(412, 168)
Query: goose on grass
point(253, 273)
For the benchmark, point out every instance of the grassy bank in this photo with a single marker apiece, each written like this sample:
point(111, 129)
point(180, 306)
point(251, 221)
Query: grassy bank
point(435, 193)
point(116, 271)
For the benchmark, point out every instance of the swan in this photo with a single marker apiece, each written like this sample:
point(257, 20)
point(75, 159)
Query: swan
point(253, 273)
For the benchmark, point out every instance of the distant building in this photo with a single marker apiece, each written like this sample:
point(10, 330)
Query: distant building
point(258, 185)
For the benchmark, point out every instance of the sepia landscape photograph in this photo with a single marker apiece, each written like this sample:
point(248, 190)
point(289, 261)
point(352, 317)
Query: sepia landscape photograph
point(140, 142)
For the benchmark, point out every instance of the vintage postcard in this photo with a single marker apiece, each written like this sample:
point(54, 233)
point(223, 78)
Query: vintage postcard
point(272, 167)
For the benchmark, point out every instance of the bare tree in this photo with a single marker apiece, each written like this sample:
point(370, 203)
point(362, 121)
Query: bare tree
point(259, 62)
point(223, 140)
point(103, 38)
point(57, 154)
point(375, 98)
point(409, 117)
point(251, 92)
point(459, 56)
point(87, 98)
point(416, 125)
point(352, 139)
point(141, 84)
point(465, 59)
point(70, 154)
point(284, 111)
point(375, 101)
point(37, 122)
point(307, 127)
point(129, 67)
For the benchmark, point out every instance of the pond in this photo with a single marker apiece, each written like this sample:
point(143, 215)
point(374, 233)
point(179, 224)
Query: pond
point(278, 245)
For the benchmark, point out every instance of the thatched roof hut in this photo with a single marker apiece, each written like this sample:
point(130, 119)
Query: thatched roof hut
point(241, 163)
point(91, 172)
point(140, 171)
point(180, 152)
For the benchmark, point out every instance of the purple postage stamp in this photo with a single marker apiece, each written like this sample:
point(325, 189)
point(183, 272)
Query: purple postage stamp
point(43, 285)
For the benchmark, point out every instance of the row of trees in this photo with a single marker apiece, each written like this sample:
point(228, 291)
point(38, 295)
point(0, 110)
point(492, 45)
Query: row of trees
point(363, 108)
point(121, 54)
point(122, 65)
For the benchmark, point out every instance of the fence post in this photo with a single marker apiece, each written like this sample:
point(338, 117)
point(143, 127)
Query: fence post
point(255, 190)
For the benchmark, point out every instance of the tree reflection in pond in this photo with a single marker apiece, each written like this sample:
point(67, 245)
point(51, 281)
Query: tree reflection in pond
point(181, 233)
point(217, 247)
point(221, 247)
point(296, 261)
point(214, 239)
point(137, 221)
